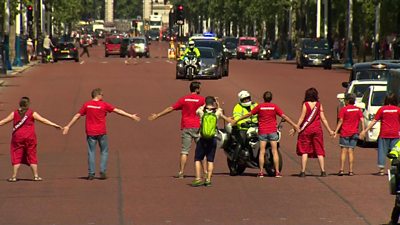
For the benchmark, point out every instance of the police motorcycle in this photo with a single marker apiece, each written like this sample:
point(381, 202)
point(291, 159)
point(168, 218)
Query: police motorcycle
point(191, 64)
point(248, 154)
point(394, 181)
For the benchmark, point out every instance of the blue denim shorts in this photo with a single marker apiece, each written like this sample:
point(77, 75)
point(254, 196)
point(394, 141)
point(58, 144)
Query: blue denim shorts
point(269, 137)
point(348, 142)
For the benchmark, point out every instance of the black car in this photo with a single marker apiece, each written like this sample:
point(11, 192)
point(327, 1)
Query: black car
point(153, 35)
point(313, 52)
point(376, 70)
point(210, 66)
point(219, 51)
point(65, 50)
point(230, 44)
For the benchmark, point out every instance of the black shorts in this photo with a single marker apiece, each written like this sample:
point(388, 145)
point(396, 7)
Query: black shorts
point(205, 148)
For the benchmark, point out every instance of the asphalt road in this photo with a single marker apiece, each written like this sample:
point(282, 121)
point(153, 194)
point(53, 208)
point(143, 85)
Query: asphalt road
point(144, 156)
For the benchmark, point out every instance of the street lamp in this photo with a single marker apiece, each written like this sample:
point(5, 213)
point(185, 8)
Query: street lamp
point(349, 44)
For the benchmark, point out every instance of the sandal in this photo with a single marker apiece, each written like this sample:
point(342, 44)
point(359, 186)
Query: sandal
point(37, 178)
point(12, 179)
point(351, 174)
point(341, 173)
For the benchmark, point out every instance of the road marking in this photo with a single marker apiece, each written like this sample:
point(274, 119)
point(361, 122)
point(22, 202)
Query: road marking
point(104, 62)
point(82, 62)
point(147, 61)
point(168, 61)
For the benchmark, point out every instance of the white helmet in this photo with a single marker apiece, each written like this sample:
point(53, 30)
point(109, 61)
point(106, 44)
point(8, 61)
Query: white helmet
point(191, 44)
point(243, 95)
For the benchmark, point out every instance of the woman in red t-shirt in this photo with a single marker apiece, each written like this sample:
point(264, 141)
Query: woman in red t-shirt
point(389, 115)
point(310, 142)
point(23, 141)
point(349, 118)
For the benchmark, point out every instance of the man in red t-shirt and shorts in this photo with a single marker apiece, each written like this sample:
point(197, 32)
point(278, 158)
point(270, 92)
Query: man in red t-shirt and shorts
point(190, 121)
point(267, 130)
point(95, 111)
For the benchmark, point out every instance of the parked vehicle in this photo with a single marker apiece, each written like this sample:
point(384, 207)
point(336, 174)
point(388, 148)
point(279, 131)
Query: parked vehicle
point(65, 50)
point(376, 70)
point(219, 51)
point(209, 65)
point(372, 100)
point(248, 155)
point(313, 52)
point(113, 45)
point(357, 87)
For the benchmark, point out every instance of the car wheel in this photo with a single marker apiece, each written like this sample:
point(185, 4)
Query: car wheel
point(299, 66)
point(177, 75)
point(147, 55)
point(55, 59)
point(76, 59)
point(106, 55)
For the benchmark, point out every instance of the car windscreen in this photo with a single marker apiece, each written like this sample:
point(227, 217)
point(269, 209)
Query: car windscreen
point(207, 53)
point(247, 42)
point(230, 45)
point(377, 98)
point(153, 32)
point(138, 41)
point(114, 41)
point(217, 46)
point(372, 74)
point(316, 44)
point(359, 89)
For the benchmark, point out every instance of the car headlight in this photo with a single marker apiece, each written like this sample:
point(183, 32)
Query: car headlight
point(328, 56)
point(371, 116)
point(213, 66)
point(180, 65)
point(305, 56)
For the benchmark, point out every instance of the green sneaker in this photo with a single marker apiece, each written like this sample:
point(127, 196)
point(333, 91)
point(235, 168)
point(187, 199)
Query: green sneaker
point(207, 183)
point(197, 183)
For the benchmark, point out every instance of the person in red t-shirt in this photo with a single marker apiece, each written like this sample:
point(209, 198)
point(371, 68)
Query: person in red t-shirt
point(349, 118)
point(267, 130)
point(95, 111)
point(190, 121)
point(389, 115)
point(24, 141)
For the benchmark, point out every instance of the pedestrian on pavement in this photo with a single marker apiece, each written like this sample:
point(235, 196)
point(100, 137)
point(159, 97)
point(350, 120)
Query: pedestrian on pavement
point(95, 111)
point(350, 117)
point(190, 121)
point(23, 140)
point(85, 47)
point(389, 115)
point(268, 131)
point(310, 140)
point(207, 144)
point(29, 49)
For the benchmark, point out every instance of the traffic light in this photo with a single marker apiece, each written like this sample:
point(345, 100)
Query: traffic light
point(29, 13)
point(180, 14)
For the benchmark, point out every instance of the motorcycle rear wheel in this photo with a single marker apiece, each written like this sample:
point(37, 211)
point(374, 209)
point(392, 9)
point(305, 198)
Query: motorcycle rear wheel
point(269, 162)
point(234, 168)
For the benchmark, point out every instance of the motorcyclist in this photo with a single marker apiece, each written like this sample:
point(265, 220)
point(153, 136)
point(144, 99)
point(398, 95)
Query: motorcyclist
point(244, 106)
point(191, 49)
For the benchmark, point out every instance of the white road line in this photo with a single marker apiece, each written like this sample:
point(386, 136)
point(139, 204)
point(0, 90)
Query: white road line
point(82, 62)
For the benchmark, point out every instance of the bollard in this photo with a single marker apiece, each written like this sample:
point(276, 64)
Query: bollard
point(3, 69)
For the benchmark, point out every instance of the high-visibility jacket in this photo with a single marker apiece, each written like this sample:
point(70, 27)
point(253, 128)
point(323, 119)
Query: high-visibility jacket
point(239, 111)
point(187, 51)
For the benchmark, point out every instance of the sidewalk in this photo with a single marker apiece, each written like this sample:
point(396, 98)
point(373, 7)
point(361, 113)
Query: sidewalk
point(17, 70)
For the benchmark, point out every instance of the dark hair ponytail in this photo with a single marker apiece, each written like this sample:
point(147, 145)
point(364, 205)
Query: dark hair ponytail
point(23, 106)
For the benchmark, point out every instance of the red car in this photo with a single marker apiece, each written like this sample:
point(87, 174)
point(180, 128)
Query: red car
point(248, 47)
point(113, 45)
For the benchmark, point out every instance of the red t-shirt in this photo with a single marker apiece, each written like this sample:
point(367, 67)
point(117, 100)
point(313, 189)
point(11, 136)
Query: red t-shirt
point(351, 116)
point(389, 116)
point(267, 117)
point(96, 112)
point(189, 104)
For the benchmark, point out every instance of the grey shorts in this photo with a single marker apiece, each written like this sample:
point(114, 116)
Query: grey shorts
point(269, 137)
point(348, 142)
point(187, 136)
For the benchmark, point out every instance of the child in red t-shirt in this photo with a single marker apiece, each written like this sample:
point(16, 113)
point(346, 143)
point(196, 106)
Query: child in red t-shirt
point(349, 118)
point(267, 130)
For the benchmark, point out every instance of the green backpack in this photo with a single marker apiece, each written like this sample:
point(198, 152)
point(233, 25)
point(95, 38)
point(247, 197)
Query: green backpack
point(208, 127)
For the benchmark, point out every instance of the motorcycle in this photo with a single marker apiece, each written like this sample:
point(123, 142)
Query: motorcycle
point(248, 154)
point(191, 65)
